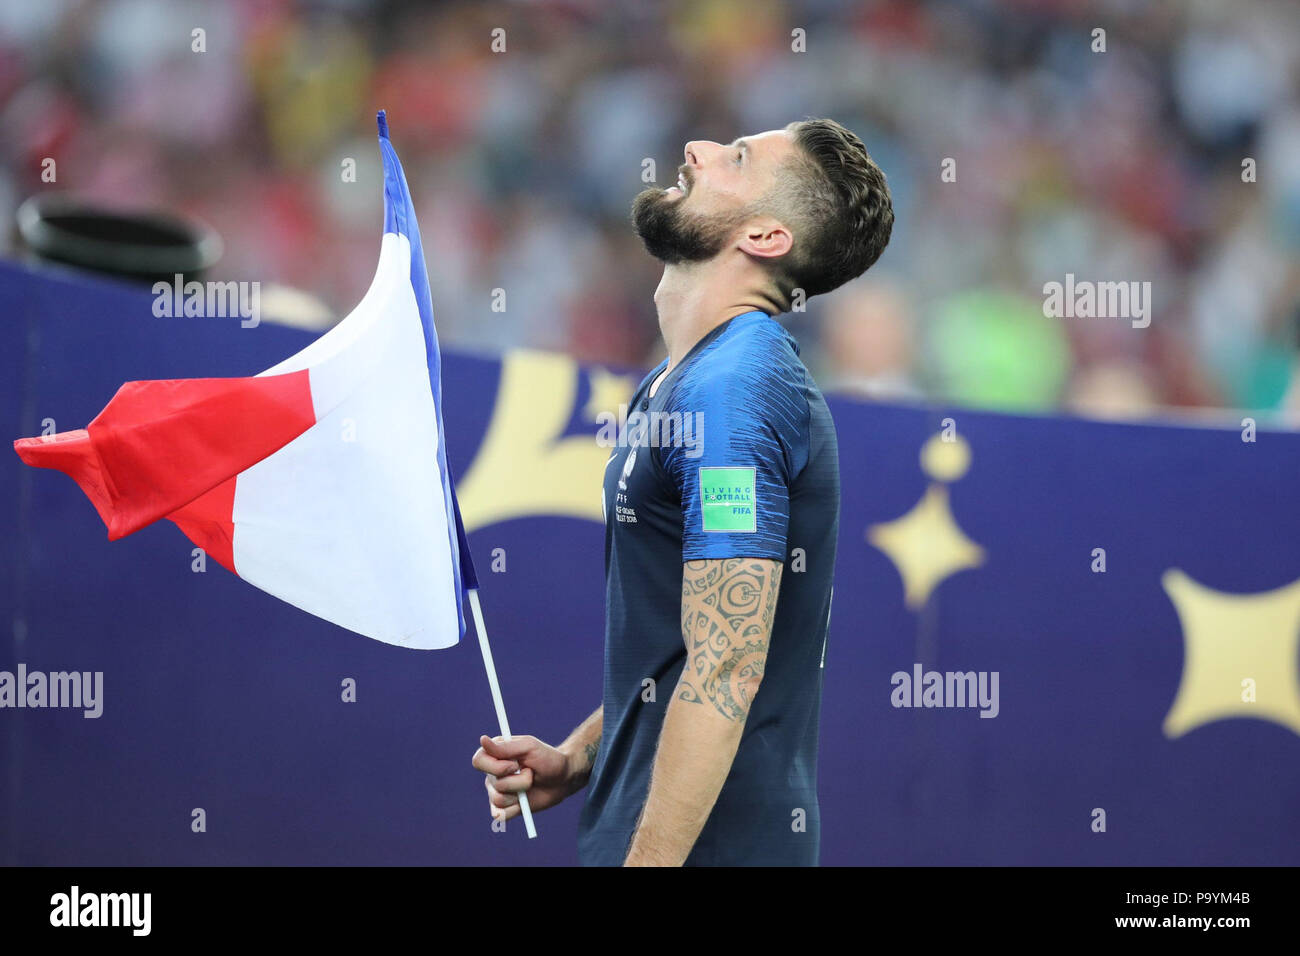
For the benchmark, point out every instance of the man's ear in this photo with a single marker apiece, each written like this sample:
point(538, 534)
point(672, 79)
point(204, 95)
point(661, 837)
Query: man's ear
point(765, 239)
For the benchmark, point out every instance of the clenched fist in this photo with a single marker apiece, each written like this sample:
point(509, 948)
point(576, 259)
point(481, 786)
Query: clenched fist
point(524, 764)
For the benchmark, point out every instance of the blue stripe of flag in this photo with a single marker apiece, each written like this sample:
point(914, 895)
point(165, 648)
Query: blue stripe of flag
point(399, 217)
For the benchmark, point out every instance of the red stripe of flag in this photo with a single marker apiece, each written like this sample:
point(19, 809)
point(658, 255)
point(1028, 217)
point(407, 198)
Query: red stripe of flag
point(173, 448)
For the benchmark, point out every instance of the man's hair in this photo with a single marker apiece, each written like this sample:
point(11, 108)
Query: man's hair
point(836, 201)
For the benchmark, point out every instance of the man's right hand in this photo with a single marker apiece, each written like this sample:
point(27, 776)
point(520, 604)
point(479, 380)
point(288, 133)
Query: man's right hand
point(546, 773)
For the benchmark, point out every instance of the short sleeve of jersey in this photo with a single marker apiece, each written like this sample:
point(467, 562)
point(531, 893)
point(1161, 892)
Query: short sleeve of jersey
point(748, 442)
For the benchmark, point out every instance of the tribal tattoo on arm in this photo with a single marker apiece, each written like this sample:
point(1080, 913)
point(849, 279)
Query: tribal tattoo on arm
point(728, 605)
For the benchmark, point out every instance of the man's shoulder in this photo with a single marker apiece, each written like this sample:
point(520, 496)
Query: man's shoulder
point(750, 366)
point(755, 336)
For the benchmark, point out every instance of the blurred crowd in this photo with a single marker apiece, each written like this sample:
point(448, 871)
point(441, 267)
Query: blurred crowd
point(1166, 149)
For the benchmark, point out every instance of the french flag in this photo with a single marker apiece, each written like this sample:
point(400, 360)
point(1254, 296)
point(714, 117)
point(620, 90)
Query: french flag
point(324, 479)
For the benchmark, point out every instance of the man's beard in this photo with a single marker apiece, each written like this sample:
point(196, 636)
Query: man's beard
point(674, 237)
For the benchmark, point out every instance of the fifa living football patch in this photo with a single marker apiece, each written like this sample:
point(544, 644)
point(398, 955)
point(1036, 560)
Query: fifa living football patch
point(727, 501)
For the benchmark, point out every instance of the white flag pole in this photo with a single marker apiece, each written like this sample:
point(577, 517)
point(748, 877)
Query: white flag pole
point(496, 697)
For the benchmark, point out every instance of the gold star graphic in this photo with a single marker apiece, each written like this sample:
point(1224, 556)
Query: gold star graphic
point(1239, 656)
point(608, 392)
point(526, 464)
point(926, 544)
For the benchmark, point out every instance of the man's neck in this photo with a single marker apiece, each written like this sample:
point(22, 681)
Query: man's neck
point(693, 300)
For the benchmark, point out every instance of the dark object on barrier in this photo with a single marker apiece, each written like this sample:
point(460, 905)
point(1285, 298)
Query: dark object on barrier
point(138, 246)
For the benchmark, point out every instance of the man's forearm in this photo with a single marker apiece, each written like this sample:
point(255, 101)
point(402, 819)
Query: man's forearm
point(696, 748)
point(727, 611)
point(581, 746)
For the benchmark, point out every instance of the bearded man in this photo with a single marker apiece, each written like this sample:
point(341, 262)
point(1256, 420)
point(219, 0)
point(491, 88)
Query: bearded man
point(720, 549)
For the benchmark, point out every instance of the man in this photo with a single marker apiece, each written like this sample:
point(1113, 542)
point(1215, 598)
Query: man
point(720, 530)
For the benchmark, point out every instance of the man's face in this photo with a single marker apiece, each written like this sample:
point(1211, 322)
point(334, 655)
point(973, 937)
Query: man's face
point(719, 188)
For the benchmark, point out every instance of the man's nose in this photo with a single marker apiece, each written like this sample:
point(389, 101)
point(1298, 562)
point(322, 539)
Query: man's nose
point(698, 151)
